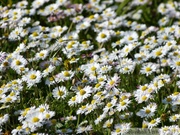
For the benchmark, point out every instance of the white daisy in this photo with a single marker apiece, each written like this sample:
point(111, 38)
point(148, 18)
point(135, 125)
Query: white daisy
point(32, 77)
point(147, 111)
point(60, 92)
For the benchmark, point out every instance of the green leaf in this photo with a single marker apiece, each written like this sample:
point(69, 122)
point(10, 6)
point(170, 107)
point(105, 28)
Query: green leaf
point(121, 6)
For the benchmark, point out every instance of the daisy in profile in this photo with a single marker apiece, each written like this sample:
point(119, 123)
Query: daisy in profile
point(154, 122)
point(82, 25)
point(175, 64)
point(103, 36)
point(59, 92)
point(82, 109)
point(148, 68)
point(174, 118)
point(164, 130)
point(113, 81)
point(108, 123)
point(100, 118)
point(121, 129)
point(4, 119)
point(48, 70)
point(32, 77)
point(82, 129)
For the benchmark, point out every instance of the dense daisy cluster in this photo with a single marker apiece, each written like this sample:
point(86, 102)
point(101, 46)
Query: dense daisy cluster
point(94, 67)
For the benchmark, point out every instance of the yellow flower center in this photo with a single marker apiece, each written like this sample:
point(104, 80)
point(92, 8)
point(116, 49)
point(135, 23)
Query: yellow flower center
point(111, 82)
point(41, 109)
point(178, 63)
point(143, 88)
point(123, 103)
point(169, 99)
point(60, 93)
point(82, 92)
point(35, 34)
point(148, 69)
point(35, 119)
point(153, 121)
point(109, 105)
point(174, 118)
point(144, 98)
point(175, 93)
point(18, 62)
point(147, 111)
point(66, 74)
point(5, 64)
point(97, 85)
point(144, 126)
point(158, 53)
point(73, 98)
point(118, 130)
point(8, 99)
point(130, 38)
point(41, 54)
point(48, 116)
point(83, 107)
point(103, 35)
point(19, 127)
point(33, 76)
point(93, 68)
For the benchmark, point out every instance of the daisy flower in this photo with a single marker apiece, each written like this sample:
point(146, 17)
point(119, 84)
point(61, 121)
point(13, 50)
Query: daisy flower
point(109, 106)
point(159, 52)
point(73, 101)
point(130, 37)
point(82, 129)
point(48, 70)
point(154, 122)
point(4, 119)
point(60, 92)
point(84, 93)
point(108, 123)
point(18, 61)
point(148, 68)
point(142, 97)
point(121, 129)
point(64, 75)
point(174, 118)
point(164, 131)
point(147, 111)
point(42, 54)
point(100, 118)
point(32, 77)
point(82, 109)
point(113, 81)
point(123, 104)
point(175, 64)
point(103, 36)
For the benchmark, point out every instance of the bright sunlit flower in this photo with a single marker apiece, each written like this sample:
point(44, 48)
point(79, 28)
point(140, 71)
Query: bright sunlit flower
point(32, 77)
point(60, 92)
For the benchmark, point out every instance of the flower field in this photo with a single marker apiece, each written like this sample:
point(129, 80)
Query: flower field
point(93, 67)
